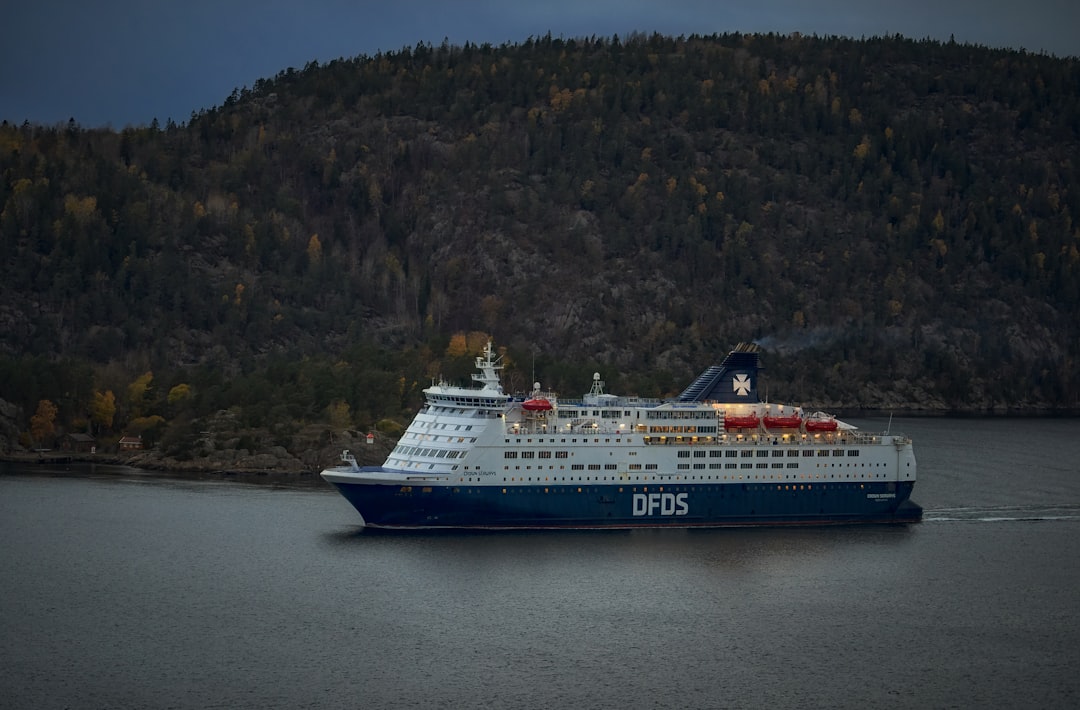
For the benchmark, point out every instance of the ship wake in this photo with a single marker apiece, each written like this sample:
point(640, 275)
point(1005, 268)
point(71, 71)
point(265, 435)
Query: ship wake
point(1003, 514)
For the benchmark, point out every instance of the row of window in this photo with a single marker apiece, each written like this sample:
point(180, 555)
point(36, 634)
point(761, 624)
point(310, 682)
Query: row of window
point(572, 413)
point(725, 439)
point(432, 453)
point(766, 453)
point(610, 467)
point(681, 429)
point(436, 438)
point(421, 424)
point(564, 440)
point(535, 454)
point(436, 410)
point(696, 467)
point(658, 489)
point(675, 489)
point(713, 441)
point(684, 477)
point(699, 466)
point(685, 454)
point(456, 401)
point(680, 414)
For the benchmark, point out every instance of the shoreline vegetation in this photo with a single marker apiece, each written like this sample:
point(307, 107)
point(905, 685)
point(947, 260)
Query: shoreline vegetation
point(272, 461)
point(277, 465)
point(109, 466)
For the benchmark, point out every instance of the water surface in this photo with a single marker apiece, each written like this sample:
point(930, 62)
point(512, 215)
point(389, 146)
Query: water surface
point(122, 590)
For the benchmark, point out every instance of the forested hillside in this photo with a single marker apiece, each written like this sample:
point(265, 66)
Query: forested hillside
point(897, 222)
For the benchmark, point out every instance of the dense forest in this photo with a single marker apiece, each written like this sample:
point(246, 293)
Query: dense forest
point(896, 222)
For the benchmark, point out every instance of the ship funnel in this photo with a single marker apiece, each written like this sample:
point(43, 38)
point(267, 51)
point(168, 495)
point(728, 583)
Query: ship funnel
point(732, 381)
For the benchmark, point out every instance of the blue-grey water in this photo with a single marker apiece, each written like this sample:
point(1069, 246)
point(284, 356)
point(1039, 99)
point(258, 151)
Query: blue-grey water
point(121, 589)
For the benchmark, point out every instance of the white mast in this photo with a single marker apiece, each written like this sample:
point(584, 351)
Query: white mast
point(489, 367)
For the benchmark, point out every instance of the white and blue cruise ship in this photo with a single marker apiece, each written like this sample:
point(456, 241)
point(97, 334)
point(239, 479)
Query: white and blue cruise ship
point(475, 457)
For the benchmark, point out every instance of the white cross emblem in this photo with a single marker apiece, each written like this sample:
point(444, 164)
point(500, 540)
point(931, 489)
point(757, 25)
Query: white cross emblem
point(741, 384)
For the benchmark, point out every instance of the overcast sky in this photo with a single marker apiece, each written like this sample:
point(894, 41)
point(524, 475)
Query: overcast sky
point(126, 62)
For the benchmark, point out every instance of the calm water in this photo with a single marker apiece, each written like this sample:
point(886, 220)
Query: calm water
point(132, 591)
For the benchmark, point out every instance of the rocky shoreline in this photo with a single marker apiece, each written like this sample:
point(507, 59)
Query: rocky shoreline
point(274, 461)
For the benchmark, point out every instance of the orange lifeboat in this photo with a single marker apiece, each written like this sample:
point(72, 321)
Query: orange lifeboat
point(536, 404)
point(749, 421)
point(818, 423)
point(792, 421)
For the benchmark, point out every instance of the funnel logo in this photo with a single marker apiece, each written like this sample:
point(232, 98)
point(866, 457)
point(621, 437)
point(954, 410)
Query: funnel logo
point(741, 384)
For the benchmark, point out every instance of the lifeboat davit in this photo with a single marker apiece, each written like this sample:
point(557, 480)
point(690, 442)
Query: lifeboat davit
point(818, 423)
point(792, 421)
point(536, 404)
point(749, 421)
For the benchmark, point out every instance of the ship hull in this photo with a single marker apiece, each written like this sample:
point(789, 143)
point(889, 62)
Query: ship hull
point(393, 506)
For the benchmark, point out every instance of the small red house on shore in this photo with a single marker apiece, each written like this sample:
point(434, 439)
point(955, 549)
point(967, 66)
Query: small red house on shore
point(130, 443)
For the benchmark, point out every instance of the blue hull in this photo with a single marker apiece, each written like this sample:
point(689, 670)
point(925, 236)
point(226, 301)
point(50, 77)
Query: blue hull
point(614, 506)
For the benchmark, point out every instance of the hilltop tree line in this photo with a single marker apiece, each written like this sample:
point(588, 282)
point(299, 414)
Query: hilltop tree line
point(895, 220)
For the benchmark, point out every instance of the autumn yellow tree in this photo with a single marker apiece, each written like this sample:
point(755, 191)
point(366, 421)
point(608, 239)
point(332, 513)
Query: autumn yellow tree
point(179, 393)
point(138, 392)
point(103, 409)
point(42, 423)
point(476, 341)
point(314, 251)
point(457, 346)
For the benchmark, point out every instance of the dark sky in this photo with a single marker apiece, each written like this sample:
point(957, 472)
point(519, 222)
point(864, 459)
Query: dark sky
point(126, 62)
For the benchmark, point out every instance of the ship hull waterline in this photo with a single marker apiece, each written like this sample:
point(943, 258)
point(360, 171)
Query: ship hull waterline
point(538, 507)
